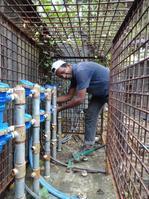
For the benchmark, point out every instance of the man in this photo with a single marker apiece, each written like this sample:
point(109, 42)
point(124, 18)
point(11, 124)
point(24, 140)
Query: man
point(85, 77)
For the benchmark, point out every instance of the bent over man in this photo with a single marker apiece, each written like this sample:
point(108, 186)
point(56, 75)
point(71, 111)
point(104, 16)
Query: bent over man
point(89, 77)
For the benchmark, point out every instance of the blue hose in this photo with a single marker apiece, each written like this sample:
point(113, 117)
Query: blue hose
point(52, 190)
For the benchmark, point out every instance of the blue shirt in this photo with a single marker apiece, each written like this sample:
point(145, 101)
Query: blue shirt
point(91, 76)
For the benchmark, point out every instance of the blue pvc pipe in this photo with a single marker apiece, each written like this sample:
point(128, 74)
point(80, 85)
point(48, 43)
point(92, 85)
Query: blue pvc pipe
point(54, 123)
point(36, 135)
point(4, 139)
point(19, 153)
point(48, 132)
point(52, 190)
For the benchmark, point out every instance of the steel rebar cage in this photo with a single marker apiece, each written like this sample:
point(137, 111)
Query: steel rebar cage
point(128, 128)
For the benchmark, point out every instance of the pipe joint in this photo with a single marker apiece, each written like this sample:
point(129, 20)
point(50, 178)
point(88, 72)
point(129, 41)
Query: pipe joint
point(19, 171)
point(21, 135)
point(46, 157)
point(48, 116)
point(36, 148)
point(48, 94)
point(54, 126)
point(36, 91)
point(33, 121)
point(11, 128)
point(36, 121)
point(35, 174)
point(54, 141)
point(15, 134)
point(19, 95)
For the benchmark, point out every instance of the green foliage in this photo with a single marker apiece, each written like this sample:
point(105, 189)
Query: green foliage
point(47, 63)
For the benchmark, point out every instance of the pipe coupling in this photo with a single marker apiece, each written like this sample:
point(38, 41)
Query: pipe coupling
point(36, 91)
point(36, 148)
point(21, 134)
point(33, 121)
point(19, 95)
point(53, 142)
point(48, 94)
point(47, 157)
point(36, 173)
point(19, 171)
point(48, 116)
point(54, 126)
point(36, 121)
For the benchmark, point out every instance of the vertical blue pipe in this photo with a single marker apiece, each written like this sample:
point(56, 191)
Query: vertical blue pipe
point(19, 156)
point(59, 132)
point(54, 122)
point(36, 138)
point(47, 133)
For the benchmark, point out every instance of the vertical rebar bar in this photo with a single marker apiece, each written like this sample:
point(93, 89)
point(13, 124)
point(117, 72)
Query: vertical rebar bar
point(19, 156)
point(36, 138)
point(47, 132)
point(54, 122)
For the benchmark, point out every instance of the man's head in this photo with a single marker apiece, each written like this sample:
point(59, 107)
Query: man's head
point(62, 69)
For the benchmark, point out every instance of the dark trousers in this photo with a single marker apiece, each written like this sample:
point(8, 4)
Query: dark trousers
point(91, 116)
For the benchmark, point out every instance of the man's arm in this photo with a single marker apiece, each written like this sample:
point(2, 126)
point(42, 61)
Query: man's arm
point(78, 99)
point(66, 97)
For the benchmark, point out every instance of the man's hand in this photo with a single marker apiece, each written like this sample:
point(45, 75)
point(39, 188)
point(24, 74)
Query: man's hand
point(67, 97)
point(78, 99)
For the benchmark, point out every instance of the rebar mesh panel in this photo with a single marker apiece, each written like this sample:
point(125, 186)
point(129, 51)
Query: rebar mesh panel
point(128, 131)
point(19, 59)
point(69, 28)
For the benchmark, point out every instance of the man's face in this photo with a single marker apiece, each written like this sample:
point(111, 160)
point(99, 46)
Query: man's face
point(64, 72)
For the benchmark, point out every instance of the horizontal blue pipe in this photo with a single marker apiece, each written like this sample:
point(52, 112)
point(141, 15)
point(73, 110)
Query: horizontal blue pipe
point(4, 139)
